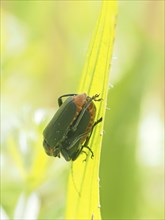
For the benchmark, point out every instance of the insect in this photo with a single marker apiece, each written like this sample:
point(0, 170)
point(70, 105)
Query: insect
point(70, 129)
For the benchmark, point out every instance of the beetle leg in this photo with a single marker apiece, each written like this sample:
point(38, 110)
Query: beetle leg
point(80, 151)
point(86, 155)
point(96, 122)
point(83, 111)
point(74, 157)
point(89, 150)
point(88, 138)
point(97, 100)
point(60, 98)
point(86, 142)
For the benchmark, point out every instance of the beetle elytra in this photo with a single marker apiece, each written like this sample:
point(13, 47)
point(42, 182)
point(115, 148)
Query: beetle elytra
point(70, 129)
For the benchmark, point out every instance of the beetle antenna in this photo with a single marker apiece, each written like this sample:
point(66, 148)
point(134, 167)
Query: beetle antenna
point(73, 179)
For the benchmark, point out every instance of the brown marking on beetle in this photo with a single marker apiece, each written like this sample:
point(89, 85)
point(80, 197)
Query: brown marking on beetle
point(80, 101)
point(92, 111)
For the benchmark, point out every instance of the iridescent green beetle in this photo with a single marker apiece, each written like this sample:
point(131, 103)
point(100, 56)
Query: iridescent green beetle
point(71, 127)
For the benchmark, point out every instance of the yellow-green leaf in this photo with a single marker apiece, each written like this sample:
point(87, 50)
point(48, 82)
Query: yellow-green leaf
point(83, 188)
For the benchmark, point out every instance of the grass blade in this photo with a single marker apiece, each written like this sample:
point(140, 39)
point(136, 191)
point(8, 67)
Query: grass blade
point(83, 188)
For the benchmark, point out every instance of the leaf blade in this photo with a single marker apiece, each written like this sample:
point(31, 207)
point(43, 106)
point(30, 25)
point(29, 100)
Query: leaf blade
point(83, 200)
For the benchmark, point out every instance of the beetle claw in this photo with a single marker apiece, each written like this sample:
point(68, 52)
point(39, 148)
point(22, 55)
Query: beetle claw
point(86, 156)
point(95, 98)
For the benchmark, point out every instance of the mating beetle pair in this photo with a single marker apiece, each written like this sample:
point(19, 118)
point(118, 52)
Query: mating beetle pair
point(71, 127)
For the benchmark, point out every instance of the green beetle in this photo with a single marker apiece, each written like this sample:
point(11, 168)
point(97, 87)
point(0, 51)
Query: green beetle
point(71, 127)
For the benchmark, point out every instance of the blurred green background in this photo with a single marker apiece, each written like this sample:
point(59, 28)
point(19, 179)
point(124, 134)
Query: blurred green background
point(43, 48)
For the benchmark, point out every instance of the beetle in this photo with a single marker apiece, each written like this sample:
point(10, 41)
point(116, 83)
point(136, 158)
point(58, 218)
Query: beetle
point(70, 129)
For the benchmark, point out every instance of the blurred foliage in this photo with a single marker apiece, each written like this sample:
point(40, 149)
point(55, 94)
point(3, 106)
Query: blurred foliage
point(43, 48)
point(125, 178)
